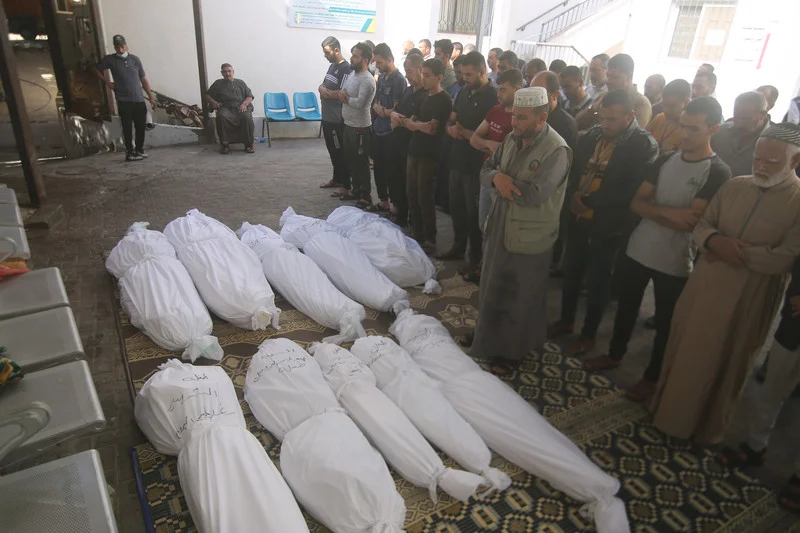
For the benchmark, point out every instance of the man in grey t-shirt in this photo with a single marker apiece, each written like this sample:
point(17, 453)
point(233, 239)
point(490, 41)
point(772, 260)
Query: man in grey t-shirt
point(129, 80)
point(676, 191)
point(356, 97)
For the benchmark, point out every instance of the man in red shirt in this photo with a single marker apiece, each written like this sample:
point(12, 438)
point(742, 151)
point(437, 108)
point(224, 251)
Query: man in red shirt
point(494, 128)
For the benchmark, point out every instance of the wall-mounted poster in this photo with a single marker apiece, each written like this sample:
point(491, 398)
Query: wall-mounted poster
point(350, 15)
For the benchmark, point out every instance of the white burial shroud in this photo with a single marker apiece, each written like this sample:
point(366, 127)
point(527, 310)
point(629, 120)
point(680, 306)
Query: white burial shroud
point(342, 260)
point(334, 471)
point(230, 483)
point(303, 284)
point(227, 273)
point(508, 424)
point(157, 293)
point(395, 254)
point(421, 399)
point(388, 428)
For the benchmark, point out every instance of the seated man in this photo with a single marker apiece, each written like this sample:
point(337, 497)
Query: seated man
point(233, 101)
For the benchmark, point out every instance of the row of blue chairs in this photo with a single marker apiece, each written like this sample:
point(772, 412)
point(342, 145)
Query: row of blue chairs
point(277, 109)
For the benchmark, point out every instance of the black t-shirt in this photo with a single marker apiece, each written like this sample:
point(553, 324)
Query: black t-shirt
point(408, 103)
point(471, 108)
point(564, 124)
point(436, 107)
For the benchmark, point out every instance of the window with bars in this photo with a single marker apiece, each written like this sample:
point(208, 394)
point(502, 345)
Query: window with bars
point(461, 16)
point(701, 29)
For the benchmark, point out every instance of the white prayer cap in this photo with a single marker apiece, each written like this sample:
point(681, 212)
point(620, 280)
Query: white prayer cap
point(531, 97)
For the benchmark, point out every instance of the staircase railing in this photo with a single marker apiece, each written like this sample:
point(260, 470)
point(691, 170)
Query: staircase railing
point(572, 16)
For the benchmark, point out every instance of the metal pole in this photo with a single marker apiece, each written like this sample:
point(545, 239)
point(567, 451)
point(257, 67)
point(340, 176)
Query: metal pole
point(201, 56)
point(479, 33)
point(19, 116)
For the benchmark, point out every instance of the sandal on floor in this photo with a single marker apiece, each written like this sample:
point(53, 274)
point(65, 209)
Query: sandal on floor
point(226, 149)
point(347, 196)
point(250, 150)
point(600, 363)
point(330, 185)
point(466, 340)
point(363, 204)
point(789, 497)
point(472, 275)
point(743, 457)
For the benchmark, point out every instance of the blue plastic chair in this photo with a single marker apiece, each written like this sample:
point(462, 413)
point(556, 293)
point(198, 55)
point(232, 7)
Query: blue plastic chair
point(306, 107)
point(276, 109)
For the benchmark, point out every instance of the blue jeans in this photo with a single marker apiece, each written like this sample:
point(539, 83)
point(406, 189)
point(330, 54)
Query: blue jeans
point(592, 257)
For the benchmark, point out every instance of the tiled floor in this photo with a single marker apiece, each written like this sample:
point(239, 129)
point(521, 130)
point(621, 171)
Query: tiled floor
point(102, 195)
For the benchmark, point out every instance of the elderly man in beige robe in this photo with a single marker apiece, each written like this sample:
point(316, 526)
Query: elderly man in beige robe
point(749, 237)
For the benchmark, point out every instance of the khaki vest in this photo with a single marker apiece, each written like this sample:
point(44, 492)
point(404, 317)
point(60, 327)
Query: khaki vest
point(533, 229)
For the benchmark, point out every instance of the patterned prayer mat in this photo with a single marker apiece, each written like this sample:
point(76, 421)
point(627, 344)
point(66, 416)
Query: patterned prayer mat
point(667, 486)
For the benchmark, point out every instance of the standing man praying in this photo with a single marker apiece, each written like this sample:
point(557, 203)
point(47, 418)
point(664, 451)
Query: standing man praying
point(470, 108)
point(528, 174)
point(390, 87)
point(233, 101)
point(427, 125)
point(129, 80)
point(332, 121)
point(356, 97)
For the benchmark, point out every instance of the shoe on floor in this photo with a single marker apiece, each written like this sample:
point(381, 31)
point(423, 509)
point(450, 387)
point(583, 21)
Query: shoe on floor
point(141, 153)
point(133, 156)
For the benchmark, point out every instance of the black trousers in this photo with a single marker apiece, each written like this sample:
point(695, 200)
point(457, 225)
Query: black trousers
point(464, 188)
point(132, 114)
point(592, 257)
point(398, 154)
point(666, 289)
point(334, 141)
point(443, 174)
point(381, 162)
point(357, 142)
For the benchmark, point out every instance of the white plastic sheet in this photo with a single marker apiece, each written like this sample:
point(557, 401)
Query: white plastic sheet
point(333, 470)
point(508, 424)
point(230, 483)
point(343, 262)
point(158, 295)
point(398, 256)
point(298, 229)
point(420, 398)
point(303, 284)
point(387, 427)
point(227, 274)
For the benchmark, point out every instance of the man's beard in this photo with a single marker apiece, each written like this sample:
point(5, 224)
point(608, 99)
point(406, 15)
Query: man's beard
point(765, 181)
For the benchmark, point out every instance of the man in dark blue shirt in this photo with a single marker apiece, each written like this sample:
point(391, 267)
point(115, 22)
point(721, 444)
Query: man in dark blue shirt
point(332, 121)
point(129, 80)
point(391, 85)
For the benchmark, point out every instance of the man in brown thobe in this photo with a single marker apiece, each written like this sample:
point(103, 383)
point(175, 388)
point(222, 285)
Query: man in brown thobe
point(749, 237)
point(233, 101)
